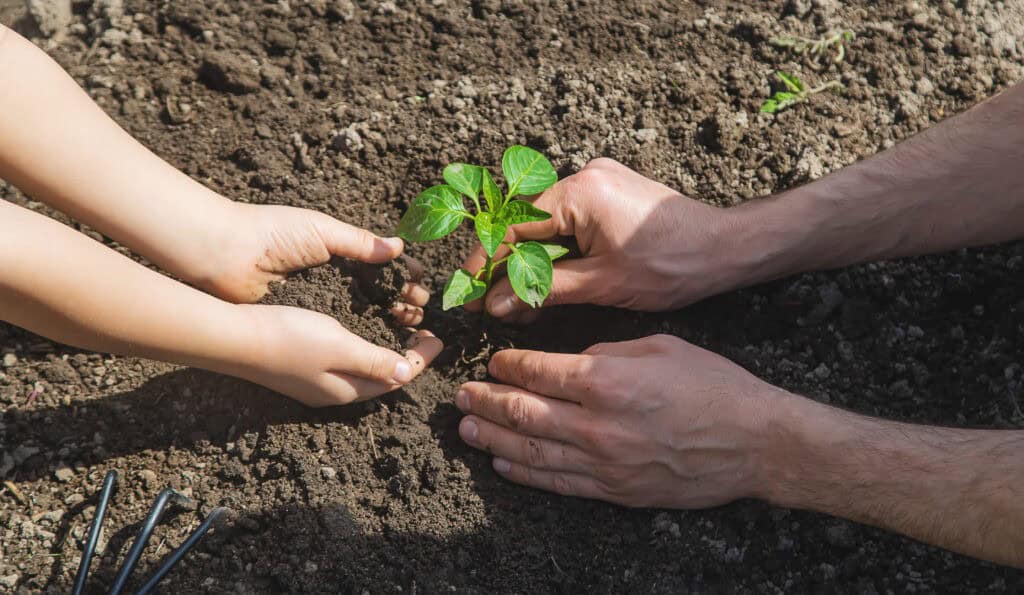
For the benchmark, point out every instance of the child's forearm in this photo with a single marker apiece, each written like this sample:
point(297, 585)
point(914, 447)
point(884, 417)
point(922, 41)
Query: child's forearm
point(62, 285)
point(62, 149)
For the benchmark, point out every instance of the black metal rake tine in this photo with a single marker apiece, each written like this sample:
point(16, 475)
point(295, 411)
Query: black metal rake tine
point(94, 532)
point(183, 549)
point(142, 538)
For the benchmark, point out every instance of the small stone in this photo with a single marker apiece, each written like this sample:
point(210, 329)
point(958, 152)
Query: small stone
point(64, 474)
point(329, 473)
point(10, 359)
point(148, 478)
point(230, 72)
point(646, 135)
point(9, 580)
point(51, 16)
point(822, 371)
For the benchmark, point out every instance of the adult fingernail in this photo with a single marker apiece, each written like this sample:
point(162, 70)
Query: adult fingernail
point(403, 372)
point(462, 400)
point(502, 305)
point(469, 430)
point(394, 243)
point(501, 465)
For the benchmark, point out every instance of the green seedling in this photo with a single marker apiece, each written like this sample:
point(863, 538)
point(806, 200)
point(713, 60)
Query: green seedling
point(439, 210)
point(836, 40)
point(796, 92)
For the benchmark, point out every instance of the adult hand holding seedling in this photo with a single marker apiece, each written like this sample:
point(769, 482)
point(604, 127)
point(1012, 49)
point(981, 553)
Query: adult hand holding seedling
point(643, 245)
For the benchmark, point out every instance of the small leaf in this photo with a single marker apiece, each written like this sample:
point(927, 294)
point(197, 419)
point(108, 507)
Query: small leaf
point(555, 251)
point(770, 106)
point(792, 82)
point(529, 272)
point(435, 213)
point(491, 192)
point(520, 211)
point(465, 178)
point(491, 231)
point(527, 172)
point(462, 288)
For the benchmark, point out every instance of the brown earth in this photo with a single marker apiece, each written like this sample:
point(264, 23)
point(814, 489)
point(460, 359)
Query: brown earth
point(350, 108)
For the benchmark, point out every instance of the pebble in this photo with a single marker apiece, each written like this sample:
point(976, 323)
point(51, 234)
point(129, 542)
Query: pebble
point(10, 359)
point(148, 478)
point(329, 473)
point(51, 16)
point(9, 580)
point(64, 474)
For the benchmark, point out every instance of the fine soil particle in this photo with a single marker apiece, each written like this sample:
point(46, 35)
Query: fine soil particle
point(351, 108)
point(359, 295)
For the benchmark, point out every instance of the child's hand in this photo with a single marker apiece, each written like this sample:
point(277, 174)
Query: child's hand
point(263, 243)
point(312, 358)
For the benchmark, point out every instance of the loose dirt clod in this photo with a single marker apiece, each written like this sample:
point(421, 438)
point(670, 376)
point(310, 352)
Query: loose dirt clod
point(359, 295)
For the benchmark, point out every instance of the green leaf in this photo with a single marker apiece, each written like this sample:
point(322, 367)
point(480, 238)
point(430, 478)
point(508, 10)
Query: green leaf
point(465, 178)
point(491, 192)
point(792, 82)
point(527, 172)
point(520, 211)
point(435, 213)
point(462, 288)
point(779, 102)
point(491, 231)
point(529, 272)
point(555, 251)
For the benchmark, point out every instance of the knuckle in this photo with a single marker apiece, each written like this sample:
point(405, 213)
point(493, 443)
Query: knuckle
point(536, 455)
point(517, 412)
point(664, 342)
point(562, 485)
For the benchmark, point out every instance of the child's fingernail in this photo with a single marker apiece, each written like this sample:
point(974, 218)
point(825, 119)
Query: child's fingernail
point(501, 465)
point(403, 372)
point(462, 400)
point(469, 430)
point(502, 305)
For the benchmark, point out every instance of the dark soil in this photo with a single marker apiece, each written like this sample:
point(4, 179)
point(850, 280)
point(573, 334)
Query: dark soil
point(358, 295)
point(350, 108)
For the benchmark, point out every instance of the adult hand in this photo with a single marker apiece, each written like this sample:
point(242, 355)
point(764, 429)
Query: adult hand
point(644, 246)
point(266, 242)
point(312, 358)
point(651, 422)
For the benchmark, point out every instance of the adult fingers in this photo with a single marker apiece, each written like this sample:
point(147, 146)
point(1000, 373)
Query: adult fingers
point(342, 239)
point(559, 482)
point(538, 453)
point(563, 376)
point(574, 281)
point(522, 411)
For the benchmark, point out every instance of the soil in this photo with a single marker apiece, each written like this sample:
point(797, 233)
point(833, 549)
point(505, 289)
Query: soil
point(357, 294)
point(350, 108)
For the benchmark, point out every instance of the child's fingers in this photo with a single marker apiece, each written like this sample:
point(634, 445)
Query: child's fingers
point(348, 241)
point(415, 295)
point(423, 348)
point(407, 314)
point(415, 268)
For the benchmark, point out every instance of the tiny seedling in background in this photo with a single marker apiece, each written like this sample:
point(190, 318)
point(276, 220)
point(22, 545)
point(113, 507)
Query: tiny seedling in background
point(439, 210)
point(796, 92)
point(815, 47)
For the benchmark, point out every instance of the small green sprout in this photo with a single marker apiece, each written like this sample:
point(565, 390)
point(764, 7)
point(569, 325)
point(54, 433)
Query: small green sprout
point(815, 47)
point(797, 92)
point(439, 210)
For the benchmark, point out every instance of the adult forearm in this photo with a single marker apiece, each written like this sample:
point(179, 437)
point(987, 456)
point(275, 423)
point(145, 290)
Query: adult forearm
point(60, 284)
point(59, 147)
point(957, 184)
point(958, 489)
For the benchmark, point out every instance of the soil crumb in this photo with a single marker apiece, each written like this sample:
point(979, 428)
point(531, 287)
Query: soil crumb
point(359, 295)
